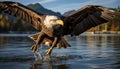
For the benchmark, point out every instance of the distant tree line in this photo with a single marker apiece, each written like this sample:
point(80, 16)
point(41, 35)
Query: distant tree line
point(113, 25)
point(8, 25)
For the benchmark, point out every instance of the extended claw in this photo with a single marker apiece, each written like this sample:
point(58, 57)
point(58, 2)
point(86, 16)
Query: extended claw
point(34, 48)
point(49, 51)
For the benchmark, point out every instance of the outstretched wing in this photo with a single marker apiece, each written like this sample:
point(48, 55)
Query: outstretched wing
point(20, 11)
point(85, 18)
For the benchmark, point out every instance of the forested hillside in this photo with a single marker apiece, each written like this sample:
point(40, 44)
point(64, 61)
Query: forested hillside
point(12, 24)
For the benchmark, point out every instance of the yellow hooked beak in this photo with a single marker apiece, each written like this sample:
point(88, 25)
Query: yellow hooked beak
point(60, 22)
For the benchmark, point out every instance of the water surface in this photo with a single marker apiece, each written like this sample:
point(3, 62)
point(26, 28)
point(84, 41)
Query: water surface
point(87, 52)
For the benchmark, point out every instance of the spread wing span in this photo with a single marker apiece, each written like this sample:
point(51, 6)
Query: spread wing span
point(20, 11)
point(85, 18)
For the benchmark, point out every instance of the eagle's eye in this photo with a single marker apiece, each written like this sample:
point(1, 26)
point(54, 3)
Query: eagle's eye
point(52, 20)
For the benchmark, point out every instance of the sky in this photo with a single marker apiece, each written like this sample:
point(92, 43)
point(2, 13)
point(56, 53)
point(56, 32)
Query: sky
point(66, 5)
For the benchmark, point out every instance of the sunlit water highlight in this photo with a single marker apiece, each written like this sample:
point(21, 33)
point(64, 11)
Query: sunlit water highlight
point(87, 52)
point(54, 58)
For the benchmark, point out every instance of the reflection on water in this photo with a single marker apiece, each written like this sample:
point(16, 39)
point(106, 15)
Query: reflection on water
point(87, 52)
point(49, 66)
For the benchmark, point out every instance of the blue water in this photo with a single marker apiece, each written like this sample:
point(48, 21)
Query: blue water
point(87, 52)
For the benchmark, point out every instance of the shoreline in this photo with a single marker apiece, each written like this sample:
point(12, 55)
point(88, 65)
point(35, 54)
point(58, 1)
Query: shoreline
point(101, 32)
point(92, 32)
point(27, 34)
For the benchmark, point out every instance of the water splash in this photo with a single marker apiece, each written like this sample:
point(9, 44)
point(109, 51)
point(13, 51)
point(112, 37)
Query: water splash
point(41, 57)
point(38, 56)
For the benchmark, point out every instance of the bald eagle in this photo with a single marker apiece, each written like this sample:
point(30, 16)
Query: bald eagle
point(53, 28)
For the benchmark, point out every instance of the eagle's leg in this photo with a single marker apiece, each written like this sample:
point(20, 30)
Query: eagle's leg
point(48, 52)
point(38, 41)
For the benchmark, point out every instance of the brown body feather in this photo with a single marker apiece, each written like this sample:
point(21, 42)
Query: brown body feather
point(74, 23)
point(85, 18)
point(61, 44)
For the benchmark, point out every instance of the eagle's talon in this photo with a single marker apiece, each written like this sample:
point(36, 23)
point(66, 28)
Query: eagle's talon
point(34, 48)
point(49, 51)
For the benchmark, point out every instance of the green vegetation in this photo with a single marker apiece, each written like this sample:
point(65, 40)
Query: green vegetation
point(9, 24)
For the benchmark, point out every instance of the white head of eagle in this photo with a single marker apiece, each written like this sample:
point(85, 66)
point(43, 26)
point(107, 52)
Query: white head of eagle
point(53, 22)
